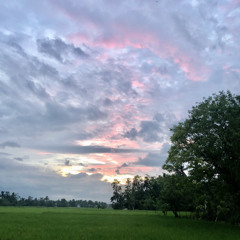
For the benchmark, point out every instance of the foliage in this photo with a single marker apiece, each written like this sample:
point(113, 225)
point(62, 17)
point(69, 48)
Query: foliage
point(168, 193)
point(207, 145)
point(117, 199)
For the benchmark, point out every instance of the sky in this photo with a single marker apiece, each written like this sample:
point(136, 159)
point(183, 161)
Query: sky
point(89, 89)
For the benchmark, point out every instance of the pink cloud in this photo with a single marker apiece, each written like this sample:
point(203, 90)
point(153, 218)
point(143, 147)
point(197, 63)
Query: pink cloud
point(190, 63)
point(120, 35)
point(77, 13)
point(138, 84)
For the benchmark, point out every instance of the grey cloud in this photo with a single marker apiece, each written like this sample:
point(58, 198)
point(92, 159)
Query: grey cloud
point(155, 159)
point(28, 180)
point(124, 165)
point(37, 89)
point(132, 134)
point(58, 49)
point(93, 169)
point(107, 102)
point(152, 159)
point(18, 159)
point(94, 113)
point(81, 164)
point(67, 162)
point(85, 149)
point(4, 154)
point(158, 117)
point(150, 131)
point(59, 114)
point(119, 168)
point(117, 78)
point(153, 131)
point(9, 144)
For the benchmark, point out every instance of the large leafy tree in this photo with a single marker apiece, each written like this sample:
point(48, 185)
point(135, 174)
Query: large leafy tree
point(207, 146)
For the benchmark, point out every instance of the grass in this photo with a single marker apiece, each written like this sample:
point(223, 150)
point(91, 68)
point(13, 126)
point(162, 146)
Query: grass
point(26, 223)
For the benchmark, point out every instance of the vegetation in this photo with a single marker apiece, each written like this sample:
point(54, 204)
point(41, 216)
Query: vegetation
point(165, 193)
point(204, 166)
point(27, 223)
point(13, 199)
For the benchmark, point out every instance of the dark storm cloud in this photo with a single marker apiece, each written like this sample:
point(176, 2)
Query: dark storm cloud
point(58, 49)
point(9, 144)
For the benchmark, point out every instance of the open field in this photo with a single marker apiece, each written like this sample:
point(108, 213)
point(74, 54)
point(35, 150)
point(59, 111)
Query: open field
point(26, 223)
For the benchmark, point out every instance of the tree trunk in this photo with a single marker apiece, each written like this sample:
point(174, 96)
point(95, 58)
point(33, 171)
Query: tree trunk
point(175, 214)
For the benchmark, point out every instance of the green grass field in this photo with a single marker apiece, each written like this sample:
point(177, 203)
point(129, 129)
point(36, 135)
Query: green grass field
point(26, 223)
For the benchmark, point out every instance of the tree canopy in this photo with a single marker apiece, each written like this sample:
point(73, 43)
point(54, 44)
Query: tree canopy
point(207, 146)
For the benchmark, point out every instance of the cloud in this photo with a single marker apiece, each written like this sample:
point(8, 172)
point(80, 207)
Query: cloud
point(67, 162)
point(149, 131)
point(132, 134)
point(4, 154)
point(29, 180)
point(153, 131)
point(9, 144)
point(92, 170)
point(71, 149)
point(58, 49)
point(155, 159)
point(124, 165)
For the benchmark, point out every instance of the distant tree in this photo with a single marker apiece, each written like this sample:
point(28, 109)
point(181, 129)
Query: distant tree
point(128, 195)
point(138, 192)
point(62, 203)
point(118, 197)
point(72, 203)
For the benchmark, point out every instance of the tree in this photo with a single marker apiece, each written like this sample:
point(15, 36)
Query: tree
point(207, 146)
point(118, 197)
point(137, 192)
point(176, 194)
point(128, 195)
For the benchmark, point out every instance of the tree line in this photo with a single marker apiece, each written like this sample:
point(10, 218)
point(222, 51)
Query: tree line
point(165, 193)
point(13, 199)
point(203, 166)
